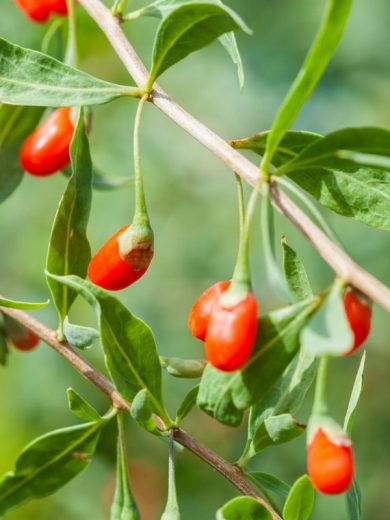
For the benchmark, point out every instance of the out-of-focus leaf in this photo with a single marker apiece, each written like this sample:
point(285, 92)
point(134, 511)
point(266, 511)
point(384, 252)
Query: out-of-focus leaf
point(26, 306)
point(104, 182)
point(32, 78)
point(295, 274)
point(129, 345)
point(354, 501)
point(188, 28)
point(69, 250)
point(355, 396)
point(183, 368)
point(79, 406)
point(78, 336)
point(4, 351)
point(243, 508)
point(271, 483)
point(187, 404)
point(16, 123)
point(300, 501)
point(226, 396)
point(317, 59)
point(338, 172)
point(48, 463)
point(328, 331)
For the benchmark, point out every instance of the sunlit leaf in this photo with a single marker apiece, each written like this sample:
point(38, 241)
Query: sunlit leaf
point(243, 507)
point(300, 501)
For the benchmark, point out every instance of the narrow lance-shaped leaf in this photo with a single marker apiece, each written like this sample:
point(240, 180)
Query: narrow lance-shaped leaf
point(129, 345)
point(187, 404)
point(278, 407)
point(300, 501)
point(295, 274)
point(355, 396)
point(26, 306)
point(354, 501)
point(162, 8)
point(79, 407)
point(320, 53)
point(123, 505)
point(243, 507)
point(16, 123)
point(48, 463)
point(271, 483)
point(171, 511)
point(348, 171)
point(290, 146)
point(32, 78)
point(328, 331)
point(225, 396)
point(69, 250)
point(187, 29)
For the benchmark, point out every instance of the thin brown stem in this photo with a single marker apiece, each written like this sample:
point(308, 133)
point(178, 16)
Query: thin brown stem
point(338, 260)
point(225, 468)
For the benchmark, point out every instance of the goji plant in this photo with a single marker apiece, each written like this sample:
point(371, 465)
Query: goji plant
point(248, 360)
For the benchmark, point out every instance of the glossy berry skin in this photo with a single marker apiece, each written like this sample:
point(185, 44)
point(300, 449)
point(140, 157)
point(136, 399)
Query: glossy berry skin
point(359, 317)
point(46, 150)
point(231, 333)
point(40, 10)
point(330, 466)
point(199, 316)
point(25, 340)
point(108, 270)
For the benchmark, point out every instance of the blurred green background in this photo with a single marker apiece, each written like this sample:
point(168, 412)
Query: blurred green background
point(192, 202)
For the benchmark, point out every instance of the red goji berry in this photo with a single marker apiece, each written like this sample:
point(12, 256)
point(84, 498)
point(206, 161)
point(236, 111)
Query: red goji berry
point(40, 10)
point(109, 270)
point(330, 464)
point(46, 150)
point(359, 317)
point(231, 332)
point(24, 340)
point(199, 316)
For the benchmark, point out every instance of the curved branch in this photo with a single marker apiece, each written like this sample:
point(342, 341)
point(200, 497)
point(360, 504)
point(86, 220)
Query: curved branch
point(337, 259)
point(230, 471)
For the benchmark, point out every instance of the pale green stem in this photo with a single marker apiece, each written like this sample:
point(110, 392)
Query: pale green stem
point(71, 56)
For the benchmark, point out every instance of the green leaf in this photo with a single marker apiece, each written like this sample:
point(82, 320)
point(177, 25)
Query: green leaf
point(226, 396)
point(243, 508)
point(183, 368)
point(78, 336)
point(16, 123)
point(69, 250)
point(328, 331)
point(268, 240)
point(355, 185)
point(26, 306)
point(317, 59)
point(4, 350)
point(283, 401)
point(123, 506)
point(79, 406)
point(104, 182)
point(300, 501)
point(295, 274)
point(32, 78)
point(142, 410)
point(129, 345)
point(271, 484)
point(355, 396)
point(187, 405)
point(171, 511)
point(354, 501)
point(229, 42)
point(48, 463)
point(289, 147)
point(276, 429)
point(187, 29)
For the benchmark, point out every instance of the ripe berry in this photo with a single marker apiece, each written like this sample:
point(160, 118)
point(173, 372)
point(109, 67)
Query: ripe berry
point(109, 270)
point(359, 316)
point(199, 316)
point(329, 464)
point(24, 340)
point(40, 10)
point(46, 150)
point(231, 332)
